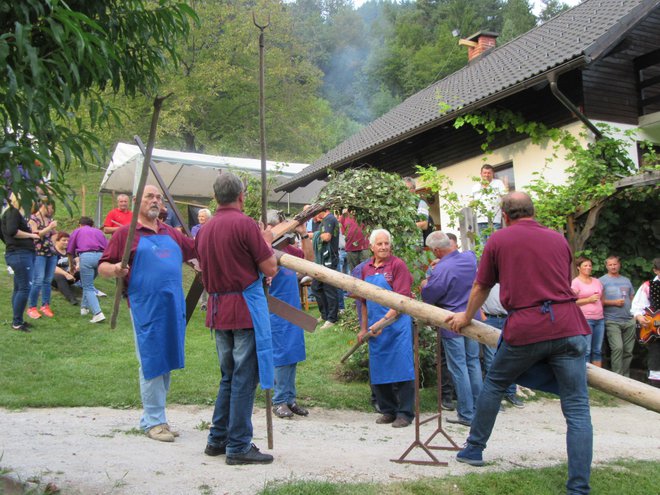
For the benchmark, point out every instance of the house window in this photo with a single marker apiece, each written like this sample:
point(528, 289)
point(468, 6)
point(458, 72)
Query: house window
point(504, 172)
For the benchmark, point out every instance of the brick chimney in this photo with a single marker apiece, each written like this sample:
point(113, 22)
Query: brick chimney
point(480, 42)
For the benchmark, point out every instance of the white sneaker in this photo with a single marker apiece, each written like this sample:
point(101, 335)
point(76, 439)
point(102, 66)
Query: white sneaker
point(84, 311)
point(100, 293)
point(97, 318)
point(326, 325)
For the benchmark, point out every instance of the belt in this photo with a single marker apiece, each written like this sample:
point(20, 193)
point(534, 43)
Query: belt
point(488, 315)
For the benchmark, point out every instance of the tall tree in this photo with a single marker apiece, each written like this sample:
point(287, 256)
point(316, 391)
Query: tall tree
point(517, 19)
point(551, 8)
point(56, 60)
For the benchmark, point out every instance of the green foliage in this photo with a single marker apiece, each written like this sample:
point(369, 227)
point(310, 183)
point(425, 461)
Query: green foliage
point(517, 19)
point(56, 59)
point(252, 204)
point(378, 200)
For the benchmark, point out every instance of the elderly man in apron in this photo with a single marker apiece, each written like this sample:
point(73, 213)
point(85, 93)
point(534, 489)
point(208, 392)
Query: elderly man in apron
point(156, 300)
point(391, 367)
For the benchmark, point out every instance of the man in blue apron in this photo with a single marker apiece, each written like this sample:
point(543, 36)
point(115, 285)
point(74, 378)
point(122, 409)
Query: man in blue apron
point(544, 328)
point(391, 368)
point(233, 254)
point(288, 339)
point(156, 300)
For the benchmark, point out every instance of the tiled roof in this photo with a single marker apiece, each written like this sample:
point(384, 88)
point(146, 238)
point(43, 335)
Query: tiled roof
point(576, 36)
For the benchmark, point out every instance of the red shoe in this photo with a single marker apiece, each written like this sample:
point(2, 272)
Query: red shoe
point(33, 313)
point(45, 309)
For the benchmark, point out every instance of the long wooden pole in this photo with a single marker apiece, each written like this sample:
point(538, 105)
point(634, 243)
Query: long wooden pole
point(158, 103)
point(606, 381)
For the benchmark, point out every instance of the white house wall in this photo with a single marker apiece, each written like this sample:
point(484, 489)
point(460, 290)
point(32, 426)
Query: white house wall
point(527, 159)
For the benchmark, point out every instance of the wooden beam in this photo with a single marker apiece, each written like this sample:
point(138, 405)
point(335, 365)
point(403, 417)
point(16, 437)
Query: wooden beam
point(606, 381)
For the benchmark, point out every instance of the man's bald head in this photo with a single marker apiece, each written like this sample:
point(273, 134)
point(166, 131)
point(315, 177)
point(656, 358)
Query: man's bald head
point(517, 205)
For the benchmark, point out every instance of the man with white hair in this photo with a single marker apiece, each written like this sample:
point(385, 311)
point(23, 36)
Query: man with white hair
point(391, 367)
point(448, 287)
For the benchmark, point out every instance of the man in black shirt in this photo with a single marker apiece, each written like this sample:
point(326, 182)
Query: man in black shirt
point(326, 249)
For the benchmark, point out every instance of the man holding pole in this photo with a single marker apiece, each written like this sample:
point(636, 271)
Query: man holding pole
point(155, 296)
point(544, 326)
point(233, 253)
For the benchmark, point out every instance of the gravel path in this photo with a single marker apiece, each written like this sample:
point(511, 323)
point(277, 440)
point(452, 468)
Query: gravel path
point(97, 451)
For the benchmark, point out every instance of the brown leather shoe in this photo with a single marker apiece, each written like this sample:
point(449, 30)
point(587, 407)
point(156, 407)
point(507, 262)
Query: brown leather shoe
point(173, 432)
point(296, 409)
point(282, 411)
point(160, 433)
point(385, 419)
point(401, 422)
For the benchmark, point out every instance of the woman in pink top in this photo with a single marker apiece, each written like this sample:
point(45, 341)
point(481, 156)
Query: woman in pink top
point(589, 292)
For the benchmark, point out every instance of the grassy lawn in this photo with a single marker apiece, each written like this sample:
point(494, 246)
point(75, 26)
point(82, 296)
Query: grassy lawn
point(623, 477)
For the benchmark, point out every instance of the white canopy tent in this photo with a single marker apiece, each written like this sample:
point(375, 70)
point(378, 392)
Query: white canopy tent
point(190, 176)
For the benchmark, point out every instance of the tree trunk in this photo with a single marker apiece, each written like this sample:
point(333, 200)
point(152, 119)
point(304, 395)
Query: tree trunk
point(606, 381)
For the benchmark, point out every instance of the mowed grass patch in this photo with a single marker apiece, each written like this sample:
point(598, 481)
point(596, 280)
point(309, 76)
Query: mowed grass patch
point(616, 478)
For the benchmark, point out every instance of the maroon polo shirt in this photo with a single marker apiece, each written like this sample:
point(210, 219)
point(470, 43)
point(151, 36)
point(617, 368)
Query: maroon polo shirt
point(230, 248)
point(115, 250)
point(532, 264)
point(355, 240)
point(395, 272)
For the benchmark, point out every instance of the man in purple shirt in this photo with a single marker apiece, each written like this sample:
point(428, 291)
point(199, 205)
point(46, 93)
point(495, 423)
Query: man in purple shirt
point(533, 266)
point(448, 287)
point(88, 244)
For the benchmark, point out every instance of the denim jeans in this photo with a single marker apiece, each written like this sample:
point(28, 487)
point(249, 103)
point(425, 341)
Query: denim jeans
point(463, 363)
point(621, 338)
point(595, 341)
point(285, 384)
point(42, 276)
point(232, 417)
point(566, 358)
point(22, 262)
point(153, 394)
point(89, 264)
point(489, 352)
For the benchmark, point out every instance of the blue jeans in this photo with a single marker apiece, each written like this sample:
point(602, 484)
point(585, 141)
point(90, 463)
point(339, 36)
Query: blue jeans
point(42, 276)
point(232, 417)
point(89, 264)
point(285, 384)
point(489, 352)
point(595, 341)
point(22, 263)
point(153, 394)
point(463, 363)
point(566, 358)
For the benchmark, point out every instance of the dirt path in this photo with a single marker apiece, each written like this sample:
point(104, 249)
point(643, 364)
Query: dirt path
point(96, 450)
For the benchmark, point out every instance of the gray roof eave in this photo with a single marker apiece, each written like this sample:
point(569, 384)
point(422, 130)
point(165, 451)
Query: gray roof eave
point(572, 64)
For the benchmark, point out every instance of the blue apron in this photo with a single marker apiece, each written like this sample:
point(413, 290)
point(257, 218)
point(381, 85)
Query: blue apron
point(155, 293)
point(258, 307)
point(391, 353)
point(288, 339)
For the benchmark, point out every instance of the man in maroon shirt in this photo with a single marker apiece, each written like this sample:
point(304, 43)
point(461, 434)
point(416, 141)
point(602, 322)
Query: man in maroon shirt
point(544, 326)
point(232, 252)
point(155, 295)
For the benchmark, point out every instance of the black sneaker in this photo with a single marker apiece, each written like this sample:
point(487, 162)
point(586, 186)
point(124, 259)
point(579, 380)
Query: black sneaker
point(23, 327)
point(514, 401)
point(213, 451)
point(459, 421)
point(252, 456)
point(448, 404)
